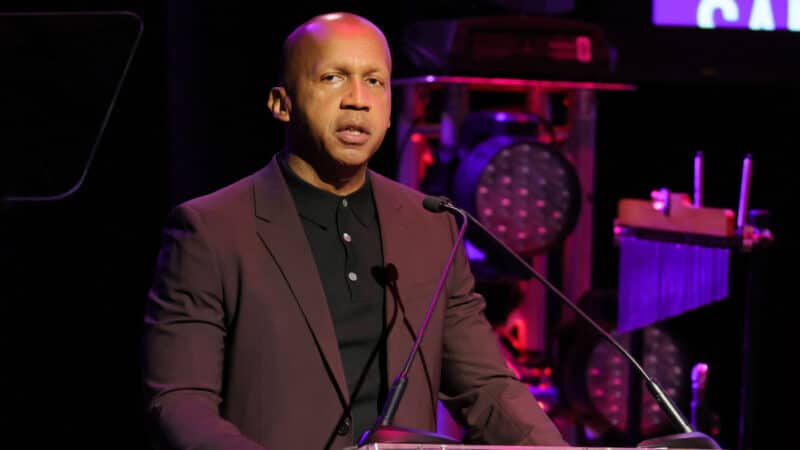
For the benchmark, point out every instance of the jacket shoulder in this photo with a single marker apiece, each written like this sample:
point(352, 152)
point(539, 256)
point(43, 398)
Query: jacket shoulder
point(401, 192)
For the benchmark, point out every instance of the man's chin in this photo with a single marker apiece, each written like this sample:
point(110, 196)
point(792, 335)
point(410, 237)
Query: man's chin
point(353, 158)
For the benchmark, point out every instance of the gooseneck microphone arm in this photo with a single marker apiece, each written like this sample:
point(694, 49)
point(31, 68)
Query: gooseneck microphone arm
point(383, 431)
point(435, 299)
point(688, 438)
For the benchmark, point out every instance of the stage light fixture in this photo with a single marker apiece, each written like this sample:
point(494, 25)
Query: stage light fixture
point(520, 188)
point(607, 380)
point(597, 384)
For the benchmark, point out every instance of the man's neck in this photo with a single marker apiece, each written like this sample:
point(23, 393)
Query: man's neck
point(343, 183)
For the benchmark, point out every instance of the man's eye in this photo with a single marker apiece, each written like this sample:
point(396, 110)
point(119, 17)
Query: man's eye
point(331, 77)
point(374, 82)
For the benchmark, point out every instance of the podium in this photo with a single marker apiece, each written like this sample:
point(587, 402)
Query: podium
point(387, 446)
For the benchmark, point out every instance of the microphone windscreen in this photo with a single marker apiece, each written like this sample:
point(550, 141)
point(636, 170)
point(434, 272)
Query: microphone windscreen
point(434, 204)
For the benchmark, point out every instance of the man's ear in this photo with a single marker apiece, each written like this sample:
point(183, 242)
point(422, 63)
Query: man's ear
point(280, 104)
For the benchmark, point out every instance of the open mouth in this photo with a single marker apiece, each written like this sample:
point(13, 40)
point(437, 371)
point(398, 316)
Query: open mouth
point(352, 134)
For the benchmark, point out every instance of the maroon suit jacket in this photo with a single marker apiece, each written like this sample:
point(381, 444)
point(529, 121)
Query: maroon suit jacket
point(240, 350)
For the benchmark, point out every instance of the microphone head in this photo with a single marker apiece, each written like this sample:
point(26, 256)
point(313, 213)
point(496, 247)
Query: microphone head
point(435, 204)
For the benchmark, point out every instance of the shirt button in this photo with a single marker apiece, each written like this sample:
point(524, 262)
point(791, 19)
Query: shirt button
point(352, 276)
point(346, 237)
point(344, 202)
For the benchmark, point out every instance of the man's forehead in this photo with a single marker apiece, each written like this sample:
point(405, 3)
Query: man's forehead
point(318, 41)
point(306, 45)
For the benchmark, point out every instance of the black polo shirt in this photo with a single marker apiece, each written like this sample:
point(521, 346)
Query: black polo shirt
point(344, 236)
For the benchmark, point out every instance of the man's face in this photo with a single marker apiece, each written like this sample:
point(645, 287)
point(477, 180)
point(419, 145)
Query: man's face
point(341, 94)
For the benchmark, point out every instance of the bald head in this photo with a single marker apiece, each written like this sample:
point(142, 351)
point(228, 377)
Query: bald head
point(335, 98)
point(303, 45)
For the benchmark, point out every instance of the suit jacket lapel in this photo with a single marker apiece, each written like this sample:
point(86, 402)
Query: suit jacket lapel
point(398, 225)
point(279, 227)
point(392, 219)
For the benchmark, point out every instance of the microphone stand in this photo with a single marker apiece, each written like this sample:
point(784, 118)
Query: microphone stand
point(687, 437)
point(383, 430)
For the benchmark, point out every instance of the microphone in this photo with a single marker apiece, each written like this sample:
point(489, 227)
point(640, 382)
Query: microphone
point(687, 437)
point(383, 430)
point(441, 204)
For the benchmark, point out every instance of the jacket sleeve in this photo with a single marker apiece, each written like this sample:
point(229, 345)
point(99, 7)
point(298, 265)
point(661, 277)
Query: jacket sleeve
point(478, 388)
point(184, 341)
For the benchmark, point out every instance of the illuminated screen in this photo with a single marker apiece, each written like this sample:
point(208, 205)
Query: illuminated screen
point(762, 15)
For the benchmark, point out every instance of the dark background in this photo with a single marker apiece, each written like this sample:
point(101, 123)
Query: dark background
point(191, 117)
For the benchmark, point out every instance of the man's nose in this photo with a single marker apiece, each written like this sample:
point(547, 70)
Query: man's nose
point(357, 96)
